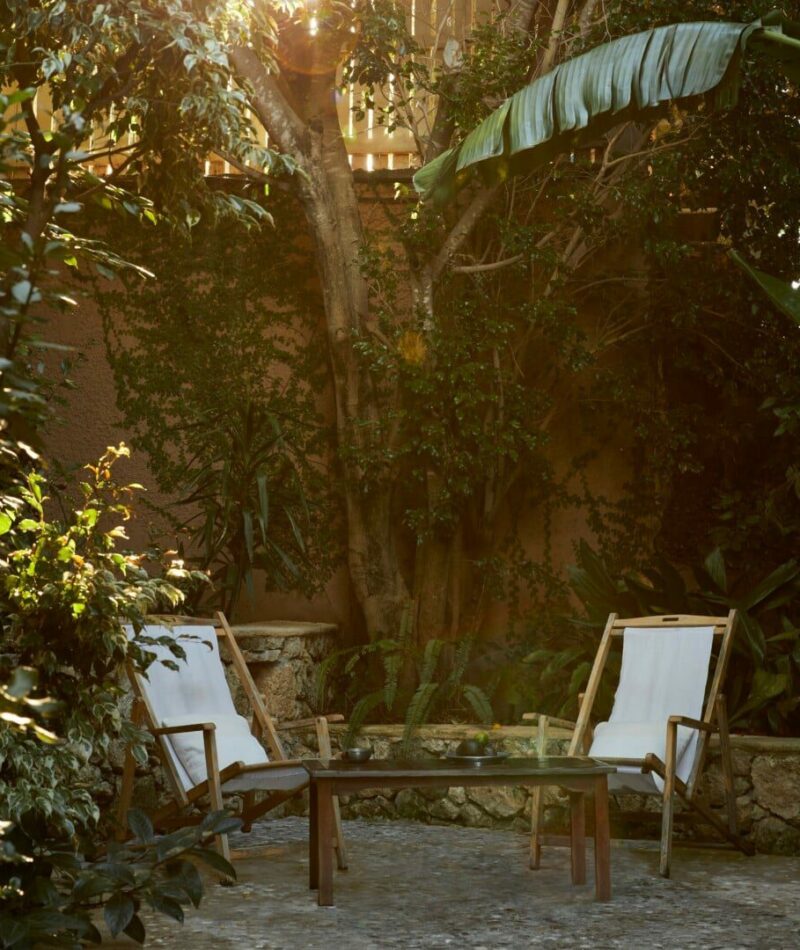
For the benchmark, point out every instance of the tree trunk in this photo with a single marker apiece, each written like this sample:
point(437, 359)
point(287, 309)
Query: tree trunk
point(331, 205)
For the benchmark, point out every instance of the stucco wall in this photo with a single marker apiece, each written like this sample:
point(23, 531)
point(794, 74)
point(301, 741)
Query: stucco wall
point(90, 420)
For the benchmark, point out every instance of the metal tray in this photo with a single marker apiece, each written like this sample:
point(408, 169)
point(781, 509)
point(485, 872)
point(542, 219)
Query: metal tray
point(476, 759)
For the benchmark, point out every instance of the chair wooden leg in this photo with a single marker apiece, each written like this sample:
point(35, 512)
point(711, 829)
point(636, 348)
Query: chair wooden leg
point(248, 804)
point(215, 787)
point(654, 764)
point(324, 746)
point(668, 800)
point(726, 761)
point(537, 801)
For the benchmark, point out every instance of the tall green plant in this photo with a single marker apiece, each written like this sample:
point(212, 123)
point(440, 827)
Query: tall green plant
point(49, 893)
point(67, 589)
point(66, 592)
point(104, 67)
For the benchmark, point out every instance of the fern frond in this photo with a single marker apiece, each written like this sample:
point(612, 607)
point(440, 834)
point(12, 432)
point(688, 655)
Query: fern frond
point(323, 672)
point(430, 660)
point(392, 663)
point(418, 709)
point(358, 716)
point(479, 702)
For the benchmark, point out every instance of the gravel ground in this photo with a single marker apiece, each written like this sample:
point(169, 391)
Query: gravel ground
point(411, 885)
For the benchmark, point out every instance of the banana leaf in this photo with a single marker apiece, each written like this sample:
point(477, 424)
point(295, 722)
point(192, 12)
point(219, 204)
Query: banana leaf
point(783, 295)
point(630, 78)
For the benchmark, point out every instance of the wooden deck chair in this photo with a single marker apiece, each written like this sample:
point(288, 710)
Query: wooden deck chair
point(206, 748)
point(667, 704)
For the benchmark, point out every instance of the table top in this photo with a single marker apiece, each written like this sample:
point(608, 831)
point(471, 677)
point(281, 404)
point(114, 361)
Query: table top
point(554, 767)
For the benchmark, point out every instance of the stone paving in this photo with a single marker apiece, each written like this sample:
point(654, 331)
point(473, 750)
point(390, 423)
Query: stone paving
point(412, 886)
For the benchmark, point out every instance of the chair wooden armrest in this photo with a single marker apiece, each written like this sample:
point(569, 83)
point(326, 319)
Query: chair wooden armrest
point(269, 766)
point(308, 723)
point(692, 723)
point(191, 727)
point(551, 720)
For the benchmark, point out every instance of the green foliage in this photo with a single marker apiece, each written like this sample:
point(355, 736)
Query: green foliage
point(218, 381)
point(49, 894)
point(106, 69)
point(419, 683)
point(20, 711)
point(784, 296)
point(66, 592)
point(626, 79)
point(650, 366)
point(445, 391)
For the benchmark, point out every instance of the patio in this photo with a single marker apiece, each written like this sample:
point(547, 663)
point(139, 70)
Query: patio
point(413, 885)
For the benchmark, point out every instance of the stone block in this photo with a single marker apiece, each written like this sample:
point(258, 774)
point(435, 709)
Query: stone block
point(773, 836)
point(278, 684)
point(445, 810)
point(433, 794)
point(501, 802)
point(458, 795)
point(712, 786)
point(254, 657)
point(744, 813)
point(742, 761)
point(371, 808)
point(410, 804)
point(474, 817)
point(776, 784)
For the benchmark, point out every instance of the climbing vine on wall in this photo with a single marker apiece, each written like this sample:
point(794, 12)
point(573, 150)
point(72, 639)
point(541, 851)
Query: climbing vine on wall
point(219, 381)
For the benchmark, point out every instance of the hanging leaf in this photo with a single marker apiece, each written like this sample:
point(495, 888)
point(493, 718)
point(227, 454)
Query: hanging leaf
point(631, 78)
point(785, 297)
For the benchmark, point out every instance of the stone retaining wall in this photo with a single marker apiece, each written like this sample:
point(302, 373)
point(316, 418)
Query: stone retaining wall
point(283, 658)
point(767, 779)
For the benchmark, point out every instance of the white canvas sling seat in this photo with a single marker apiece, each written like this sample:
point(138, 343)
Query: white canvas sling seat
point(206, 747)
point(197, 692)
point(664, 673)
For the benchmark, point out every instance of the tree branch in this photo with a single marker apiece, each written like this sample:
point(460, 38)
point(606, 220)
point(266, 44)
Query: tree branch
point(269, 103)
point(483, 268)
point(556, 29)
point(462, 230)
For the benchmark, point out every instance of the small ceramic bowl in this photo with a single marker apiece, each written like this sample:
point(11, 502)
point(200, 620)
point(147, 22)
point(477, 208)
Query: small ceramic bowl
point(357, 754)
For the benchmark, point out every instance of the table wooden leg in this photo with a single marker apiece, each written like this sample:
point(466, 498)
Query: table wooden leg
point(602, 840)
point(578, 836)
point(325, 839)
point(313, 837)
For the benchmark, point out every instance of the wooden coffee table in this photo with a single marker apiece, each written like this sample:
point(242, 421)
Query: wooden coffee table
point(579, 776)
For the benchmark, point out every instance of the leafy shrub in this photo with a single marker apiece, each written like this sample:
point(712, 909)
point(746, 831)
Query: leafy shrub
point(218, 383)
point(49, 893)
point(66, 592)
point(418, 683)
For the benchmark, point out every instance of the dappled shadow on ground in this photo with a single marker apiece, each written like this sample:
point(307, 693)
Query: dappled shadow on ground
point(411, 885)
